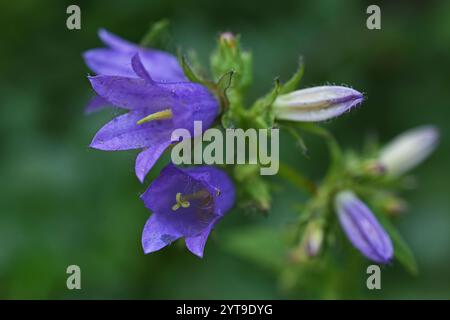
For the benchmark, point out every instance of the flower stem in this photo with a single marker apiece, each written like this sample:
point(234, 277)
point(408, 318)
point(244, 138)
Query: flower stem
point(296, 178)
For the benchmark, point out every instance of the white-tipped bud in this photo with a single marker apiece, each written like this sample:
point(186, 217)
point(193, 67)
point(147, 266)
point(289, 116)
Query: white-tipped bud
point(316, 103)
point(409, 149)
point(313, 240)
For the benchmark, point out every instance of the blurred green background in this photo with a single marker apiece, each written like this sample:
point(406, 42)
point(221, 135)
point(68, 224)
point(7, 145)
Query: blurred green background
point(62, 203)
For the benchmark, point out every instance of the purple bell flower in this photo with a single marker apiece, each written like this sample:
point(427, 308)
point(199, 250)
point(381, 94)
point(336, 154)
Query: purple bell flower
point(186, 202)
point(115, 60)
point(155, 110)
point(362, 228)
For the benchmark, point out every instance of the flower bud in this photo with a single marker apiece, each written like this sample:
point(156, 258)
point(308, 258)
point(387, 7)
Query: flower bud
point(395, 206)
point(409, 149)
point(316, 103)
point(362, 228)
point(310, 244)
point(313, 240)
point(228, 38)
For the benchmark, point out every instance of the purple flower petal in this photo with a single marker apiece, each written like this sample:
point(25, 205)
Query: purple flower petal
point(139, 69)
point(196, 244)
point(123, 132)
point(115, 42)
point(362, 229)
point(194, 103)
point(132, 93)
point(116, 60)
point(148, 157)
point(96, 103)
point(104, 61)
point(157, 234)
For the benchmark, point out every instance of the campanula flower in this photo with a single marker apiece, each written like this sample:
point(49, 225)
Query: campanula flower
point(316, 103)
point(362, 228)
point(186, 202)
point(115, 60)
point(155, 110)
point(409, 149)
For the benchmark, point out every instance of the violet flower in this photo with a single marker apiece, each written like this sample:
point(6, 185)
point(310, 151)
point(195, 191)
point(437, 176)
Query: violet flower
point(186, 203)
point(362, 228)
point(316, 103)
point(156, 109)
point(115, 60)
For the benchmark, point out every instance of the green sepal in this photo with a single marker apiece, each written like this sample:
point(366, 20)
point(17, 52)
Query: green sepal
point(293, 83)
point(188, 70)
point(261, 112)
point(157, 35)
point(219, 88)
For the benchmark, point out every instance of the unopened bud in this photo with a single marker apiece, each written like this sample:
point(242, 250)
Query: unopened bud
point(409, 149)
point(316, 103)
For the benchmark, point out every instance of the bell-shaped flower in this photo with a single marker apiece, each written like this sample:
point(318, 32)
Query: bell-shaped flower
point(186, 202)
point(316, 103)
point(409, 149)
point(155, 110)
point(362, 228)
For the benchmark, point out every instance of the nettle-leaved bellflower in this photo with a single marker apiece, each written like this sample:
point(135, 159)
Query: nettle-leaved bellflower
point(115, 60)
point(316, 103)
point(155, 110)
point(186, 202)
point(409, 149)
point(362, 228)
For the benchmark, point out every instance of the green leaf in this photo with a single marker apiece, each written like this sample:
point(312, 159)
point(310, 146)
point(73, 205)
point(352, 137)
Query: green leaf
point(157, 35)
point(188, 72)
point(294, 81)
point(261, 245)
point(402, 252)
point(225, 81)
point(266, 101)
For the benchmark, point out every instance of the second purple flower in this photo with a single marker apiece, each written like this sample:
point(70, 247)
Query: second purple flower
point(186, 203)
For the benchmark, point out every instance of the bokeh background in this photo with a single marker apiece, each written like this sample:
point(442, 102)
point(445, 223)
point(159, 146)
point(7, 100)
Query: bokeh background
point(62, 203)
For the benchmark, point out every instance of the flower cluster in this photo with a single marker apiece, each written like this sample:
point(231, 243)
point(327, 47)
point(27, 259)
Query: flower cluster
point(160, 94)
